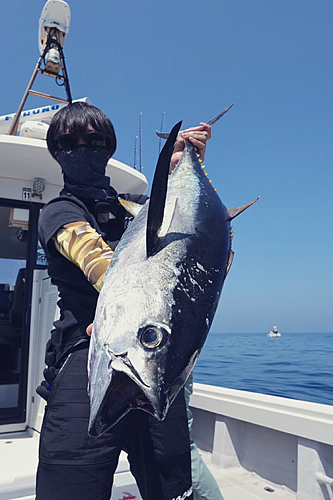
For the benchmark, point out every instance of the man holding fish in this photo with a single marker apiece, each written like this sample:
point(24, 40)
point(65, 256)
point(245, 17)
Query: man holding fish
point(79, 231)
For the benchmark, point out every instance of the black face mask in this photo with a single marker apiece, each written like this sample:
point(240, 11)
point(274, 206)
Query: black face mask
point(84, 173)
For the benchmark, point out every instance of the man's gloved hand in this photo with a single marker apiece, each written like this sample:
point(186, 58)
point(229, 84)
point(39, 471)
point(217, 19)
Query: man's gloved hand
point(44, 389)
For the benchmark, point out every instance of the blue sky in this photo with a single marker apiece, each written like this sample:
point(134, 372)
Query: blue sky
point(191, 59)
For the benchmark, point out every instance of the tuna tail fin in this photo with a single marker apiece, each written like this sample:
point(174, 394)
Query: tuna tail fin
point(159, 190)
point(233, 212)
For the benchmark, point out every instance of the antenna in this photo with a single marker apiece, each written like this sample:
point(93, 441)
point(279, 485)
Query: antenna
point(136, 153)
point(140, 142)
point(161, 129)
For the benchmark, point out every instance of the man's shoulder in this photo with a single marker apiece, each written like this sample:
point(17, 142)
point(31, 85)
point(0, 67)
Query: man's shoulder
point(62, 210)
point(63, 204)
point(64, 199)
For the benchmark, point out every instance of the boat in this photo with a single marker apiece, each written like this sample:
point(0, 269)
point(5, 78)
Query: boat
point(257, 446)
point(274, 332)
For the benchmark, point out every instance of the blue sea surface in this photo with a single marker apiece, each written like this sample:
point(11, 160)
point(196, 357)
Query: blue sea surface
point(295, 365)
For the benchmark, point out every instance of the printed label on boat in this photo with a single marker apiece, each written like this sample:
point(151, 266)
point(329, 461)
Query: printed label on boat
point(26, 194)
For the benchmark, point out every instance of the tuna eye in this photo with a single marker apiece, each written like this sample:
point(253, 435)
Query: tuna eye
point(153, 336)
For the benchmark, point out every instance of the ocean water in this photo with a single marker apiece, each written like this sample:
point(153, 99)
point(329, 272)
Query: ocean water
point(295, 365)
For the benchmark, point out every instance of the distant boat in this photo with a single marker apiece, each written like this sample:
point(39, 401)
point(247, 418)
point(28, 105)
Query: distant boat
point(274, 332)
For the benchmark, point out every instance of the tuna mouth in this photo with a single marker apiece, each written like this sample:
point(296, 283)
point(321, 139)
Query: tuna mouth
point(122, 395)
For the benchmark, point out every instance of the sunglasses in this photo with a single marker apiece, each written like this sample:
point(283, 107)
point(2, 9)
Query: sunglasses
point(94, 140)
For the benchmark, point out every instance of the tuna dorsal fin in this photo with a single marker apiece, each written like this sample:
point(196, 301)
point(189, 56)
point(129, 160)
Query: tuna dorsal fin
point(233, 212)
point(159, 190)
point(130, 206)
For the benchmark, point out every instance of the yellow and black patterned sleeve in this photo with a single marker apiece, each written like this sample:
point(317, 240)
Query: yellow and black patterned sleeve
point(82, 245)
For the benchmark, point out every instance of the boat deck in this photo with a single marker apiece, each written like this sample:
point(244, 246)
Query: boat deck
point(239, 484)
point(256, 446)
point(18, 462)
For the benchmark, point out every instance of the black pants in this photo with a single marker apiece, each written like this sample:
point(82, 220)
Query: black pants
point(75, 466)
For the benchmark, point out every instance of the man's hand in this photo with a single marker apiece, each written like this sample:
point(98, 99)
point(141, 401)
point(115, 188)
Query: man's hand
point(89, 329)
point(198, 136)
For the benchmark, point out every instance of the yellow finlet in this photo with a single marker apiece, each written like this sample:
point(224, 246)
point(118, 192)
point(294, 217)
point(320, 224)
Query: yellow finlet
point(130, 206)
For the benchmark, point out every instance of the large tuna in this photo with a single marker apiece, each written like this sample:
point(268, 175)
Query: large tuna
point(160, 294)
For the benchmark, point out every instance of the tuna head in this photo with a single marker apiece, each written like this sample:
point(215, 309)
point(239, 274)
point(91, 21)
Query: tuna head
point(130, 345)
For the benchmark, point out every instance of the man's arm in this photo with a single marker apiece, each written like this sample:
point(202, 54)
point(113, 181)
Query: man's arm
point(85, 247)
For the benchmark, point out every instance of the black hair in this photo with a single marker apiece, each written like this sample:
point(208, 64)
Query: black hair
point(75, 117)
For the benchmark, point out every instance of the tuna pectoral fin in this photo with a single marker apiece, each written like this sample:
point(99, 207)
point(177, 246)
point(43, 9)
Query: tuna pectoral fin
point(159, 190)
point(233, 212)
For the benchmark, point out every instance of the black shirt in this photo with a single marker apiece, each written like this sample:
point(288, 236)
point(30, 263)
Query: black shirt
point(78, 297)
